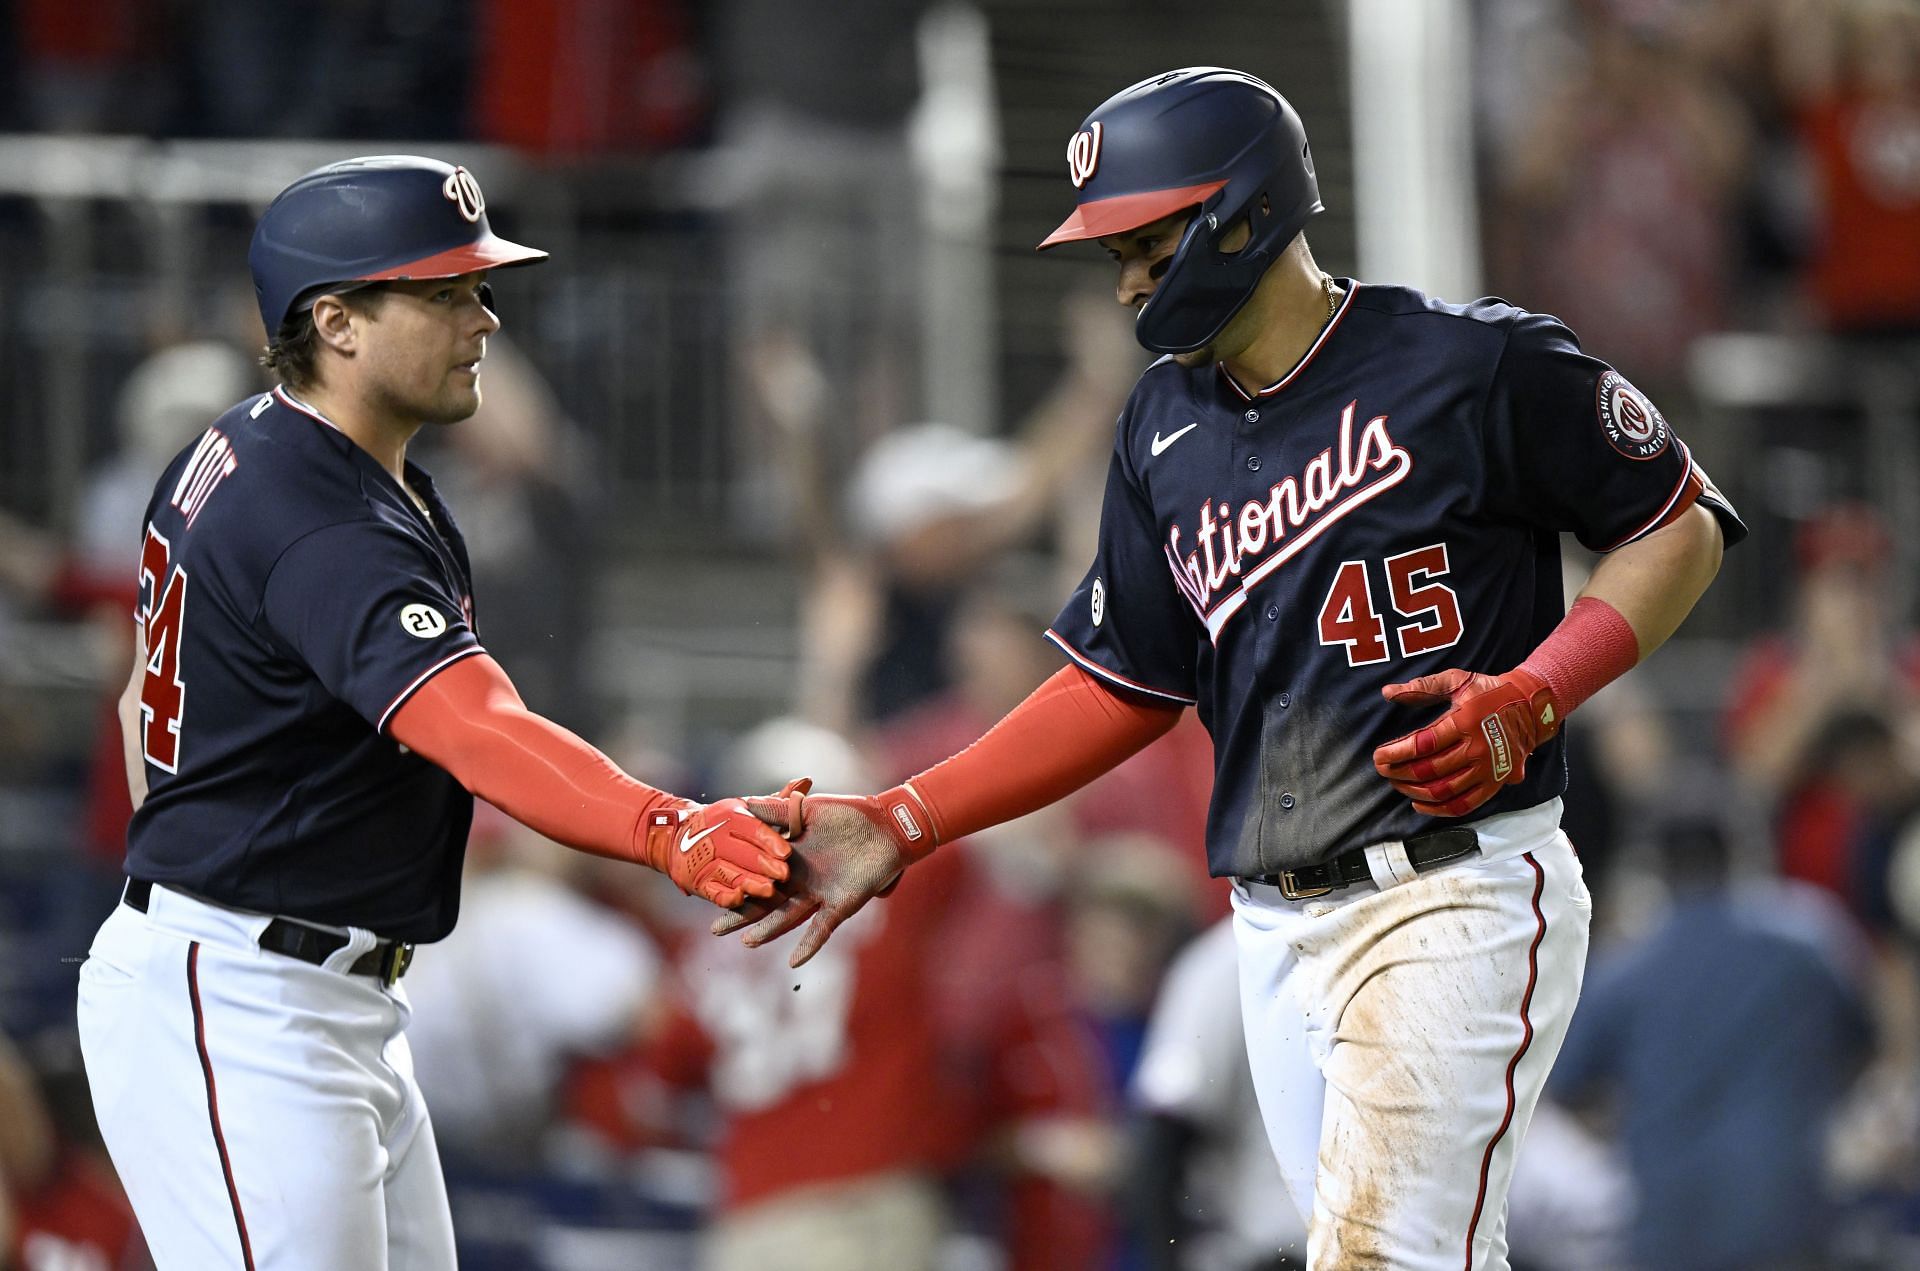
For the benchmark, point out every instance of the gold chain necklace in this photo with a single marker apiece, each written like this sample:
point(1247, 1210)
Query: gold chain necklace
point(1326, 284)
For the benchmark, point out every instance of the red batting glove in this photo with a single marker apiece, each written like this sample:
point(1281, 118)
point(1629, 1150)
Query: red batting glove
point(718, 851)
point(852, 848)
point(1461, 760)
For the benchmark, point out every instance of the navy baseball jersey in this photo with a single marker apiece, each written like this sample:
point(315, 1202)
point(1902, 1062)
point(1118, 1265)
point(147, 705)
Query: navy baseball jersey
point(1389, 509)
point(293, 597)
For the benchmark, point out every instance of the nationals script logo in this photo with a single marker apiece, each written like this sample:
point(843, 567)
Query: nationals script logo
point(464, 193)
point(1083, 155)
point(1235, 549)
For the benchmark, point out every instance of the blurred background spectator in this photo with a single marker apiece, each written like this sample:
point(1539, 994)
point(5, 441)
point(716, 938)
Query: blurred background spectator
point(790, 456)
point(1621, 192)
point(60, 1204)
point(500, 1018)
point(1850, 77)
point(1201, 1179)
point(1842, 651)
point(1726, 1037)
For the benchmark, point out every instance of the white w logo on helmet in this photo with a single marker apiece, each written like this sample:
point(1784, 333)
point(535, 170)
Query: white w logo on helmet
point(1083, 155)
point(464, 192)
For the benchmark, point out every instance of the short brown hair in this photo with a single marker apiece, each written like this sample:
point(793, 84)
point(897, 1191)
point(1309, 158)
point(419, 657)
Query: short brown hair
point(294, 352)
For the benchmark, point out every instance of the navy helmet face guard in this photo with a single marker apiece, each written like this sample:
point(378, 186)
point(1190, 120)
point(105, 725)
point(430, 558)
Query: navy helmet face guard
point(1205, 137)
point(378, 219)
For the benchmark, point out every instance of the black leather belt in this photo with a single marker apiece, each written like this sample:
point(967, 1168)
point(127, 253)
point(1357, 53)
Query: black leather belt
point(1436, 847)
point(386, 961)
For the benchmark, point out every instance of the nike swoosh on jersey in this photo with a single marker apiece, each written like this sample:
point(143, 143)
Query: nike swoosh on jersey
point(1161, 443)
point(686, 844)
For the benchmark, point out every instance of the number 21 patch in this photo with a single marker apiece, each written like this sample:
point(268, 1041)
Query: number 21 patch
point(422, 622)
point(1633, 424)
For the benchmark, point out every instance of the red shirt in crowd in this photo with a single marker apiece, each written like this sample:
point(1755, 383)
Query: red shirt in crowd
point(1865, 271)
point(928, 1027)
point(1816, 821)
point(78, 1218)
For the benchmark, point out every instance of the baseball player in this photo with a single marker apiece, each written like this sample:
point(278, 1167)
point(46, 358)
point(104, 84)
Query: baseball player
point(1331, 524)
point(309, 717)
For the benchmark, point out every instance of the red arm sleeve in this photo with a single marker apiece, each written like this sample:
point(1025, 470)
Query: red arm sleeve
point(469, 720)
point(1069, 731)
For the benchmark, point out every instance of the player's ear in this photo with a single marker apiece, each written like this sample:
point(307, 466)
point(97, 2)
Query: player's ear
point(333, 323)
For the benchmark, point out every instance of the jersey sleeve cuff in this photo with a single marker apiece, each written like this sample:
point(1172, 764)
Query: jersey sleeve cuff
point(1684, 496)
point(421, 680)
point(1114, 677)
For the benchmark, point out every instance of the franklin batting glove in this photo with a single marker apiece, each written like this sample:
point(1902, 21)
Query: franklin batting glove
point(1458, 762)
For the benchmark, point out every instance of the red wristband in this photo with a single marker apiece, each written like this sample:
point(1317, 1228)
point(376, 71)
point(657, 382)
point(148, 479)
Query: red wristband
point(909, 820)
point(1591, 648)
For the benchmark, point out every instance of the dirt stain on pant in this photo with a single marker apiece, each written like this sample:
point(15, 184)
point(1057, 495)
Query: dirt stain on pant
point(1409, 989)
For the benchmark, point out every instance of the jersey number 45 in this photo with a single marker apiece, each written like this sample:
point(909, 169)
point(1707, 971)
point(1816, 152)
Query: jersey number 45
point(1348, 616)
point(163, 597)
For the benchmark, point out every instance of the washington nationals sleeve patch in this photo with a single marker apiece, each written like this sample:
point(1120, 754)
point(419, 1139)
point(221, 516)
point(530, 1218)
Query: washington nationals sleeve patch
point(1633, 424)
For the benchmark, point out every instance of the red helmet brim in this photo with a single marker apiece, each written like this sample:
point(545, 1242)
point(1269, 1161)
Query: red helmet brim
point(1127, 212)
point(491, 252)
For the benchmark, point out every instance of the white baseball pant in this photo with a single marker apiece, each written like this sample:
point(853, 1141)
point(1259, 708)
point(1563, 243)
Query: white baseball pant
point(261, 1110)
point(1400, 1033)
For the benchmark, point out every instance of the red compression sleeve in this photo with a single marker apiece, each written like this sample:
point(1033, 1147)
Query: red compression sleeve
point(469, 720)
point(1069, 731)
point(1591, 648)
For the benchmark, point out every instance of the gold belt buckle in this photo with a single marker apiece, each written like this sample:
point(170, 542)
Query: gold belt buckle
point(399, 958)
point(1293, 891)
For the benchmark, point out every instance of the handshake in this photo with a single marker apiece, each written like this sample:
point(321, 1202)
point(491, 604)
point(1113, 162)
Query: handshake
point(777, 860)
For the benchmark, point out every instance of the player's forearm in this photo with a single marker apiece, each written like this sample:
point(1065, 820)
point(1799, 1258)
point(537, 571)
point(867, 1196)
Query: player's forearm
point(1069, 731)
point(1655, 582)
point(1634, 600)
point(470, 721)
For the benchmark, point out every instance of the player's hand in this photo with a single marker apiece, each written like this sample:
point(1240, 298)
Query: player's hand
point(719, 851)
point(850, 849)
point(1458, 762)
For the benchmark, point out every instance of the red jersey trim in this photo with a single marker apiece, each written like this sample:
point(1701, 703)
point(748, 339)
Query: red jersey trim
point(423, 677)
point(1326, 332)
point(1114, 677)
point(1526, 1043)
point(213, 1101)
point(1692, 482)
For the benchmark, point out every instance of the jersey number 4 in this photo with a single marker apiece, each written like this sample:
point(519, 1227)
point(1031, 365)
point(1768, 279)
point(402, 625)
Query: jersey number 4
point(162, 696)
point(1348, 616)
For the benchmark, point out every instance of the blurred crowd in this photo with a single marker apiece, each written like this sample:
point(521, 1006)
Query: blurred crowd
point(494, 70)
point(1659, 170)
point(1029, 1057)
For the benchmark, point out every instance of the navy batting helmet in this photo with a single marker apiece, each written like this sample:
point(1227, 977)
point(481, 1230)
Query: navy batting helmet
point(1204, 137)
point(377, 219)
